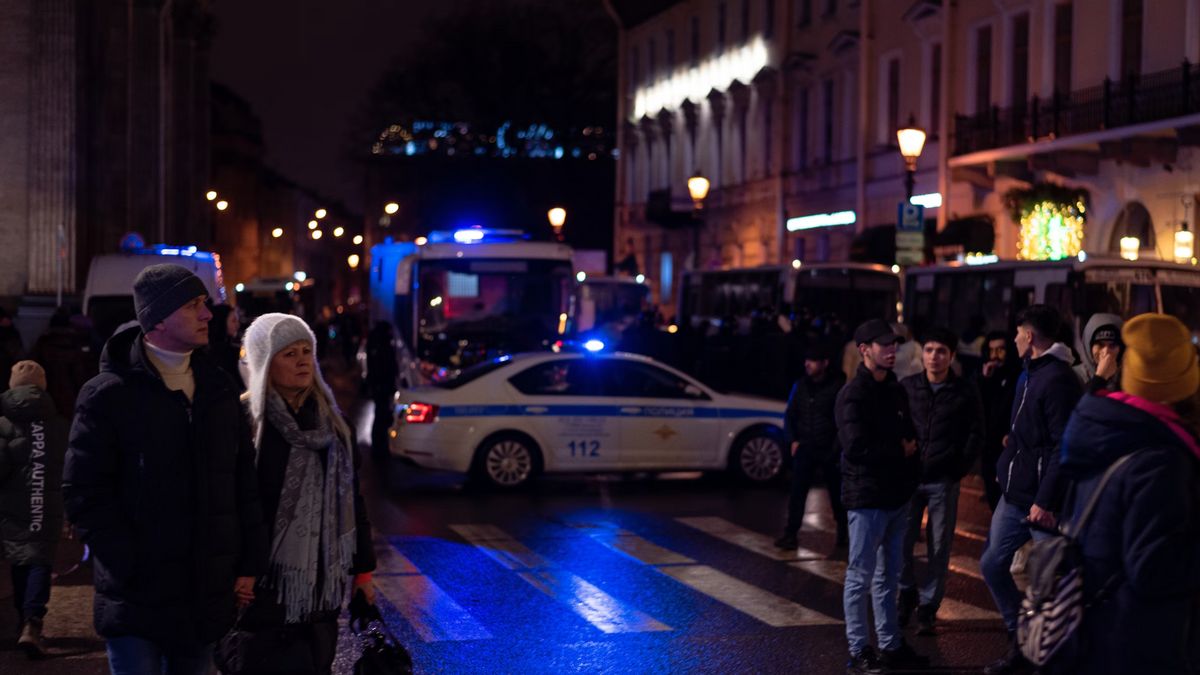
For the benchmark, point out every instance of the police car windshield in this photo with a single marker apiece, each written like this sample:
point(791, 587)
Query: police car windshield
point(468, 375)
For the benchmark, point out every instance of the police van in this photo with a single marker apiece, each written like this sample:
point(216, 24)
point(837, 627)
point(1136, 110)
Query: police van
point(108, 293)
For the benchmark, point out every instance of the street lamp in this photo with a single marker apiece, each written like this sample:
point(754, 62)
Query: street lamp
point(912, 141)
point(338, 231)
point(358, 239)
point(353, 260)
point(277, 232)
point(557, 216)
point(210, 195)
point(316, 234)
point(321, 213)
point(391, 208)
point(697, 187)
point(312, 224)
point(222, 205)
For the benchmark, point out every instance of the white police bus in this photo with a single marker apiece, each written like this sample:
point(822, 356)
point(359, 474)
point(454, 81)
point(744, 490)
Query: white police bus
point(458, 298)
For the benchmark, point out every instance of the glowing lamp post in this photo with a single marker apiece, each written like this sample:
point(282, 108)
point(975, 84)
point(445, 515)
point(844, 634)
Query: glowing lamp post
point(697, 187)
point(912, 141)
point(1185, 245)
point(557, 217)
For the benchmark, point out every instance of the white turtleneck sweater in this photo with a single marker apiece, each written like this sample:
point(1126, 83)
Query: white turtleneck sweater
point(175, 368)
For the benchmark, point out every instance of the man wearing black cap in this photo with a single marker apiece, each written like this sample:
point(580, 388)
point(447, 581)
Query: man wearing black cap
point(880, 469)
point(160, 483)
point(1100, 365)
point(812, 437)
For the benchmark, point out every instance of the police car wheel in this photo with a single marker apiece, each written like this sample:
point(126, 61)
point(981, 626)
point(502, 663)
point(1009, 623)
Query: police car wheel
point(758, 457)
point(507, 461)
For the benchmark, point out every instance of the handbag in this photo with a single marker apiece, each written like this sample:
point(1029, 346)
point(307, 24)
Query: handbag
point(382, 653)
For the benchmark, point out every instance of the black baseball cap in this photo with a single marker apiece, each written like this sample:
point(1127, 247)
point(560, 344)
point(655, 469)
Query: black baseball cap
point(876, 330)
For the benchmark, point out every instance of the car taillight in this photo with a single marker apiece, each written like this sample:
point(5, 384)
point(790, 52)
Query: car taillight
point(420, 413)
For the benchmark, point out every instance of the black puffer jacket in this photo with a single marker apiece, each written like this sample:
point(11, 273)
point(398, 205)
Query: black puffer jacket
point(949, 424)
point(872, 420)
point(1046, 394)
point(1144, 535)
point(809, 417)
point(165, 495)
point(33, 440)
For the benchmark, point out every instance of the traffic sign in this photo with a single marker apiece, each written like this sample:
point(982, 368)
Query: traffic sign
point(910, 217)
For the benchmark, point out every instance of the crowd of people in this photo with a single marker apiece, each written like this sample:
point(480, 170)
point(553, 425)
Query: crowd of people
point(1044, 432)
point(220, 506)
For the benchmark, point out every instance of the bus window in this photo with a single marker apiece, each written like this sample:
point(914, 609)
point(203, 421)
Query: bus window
point(1183, 303)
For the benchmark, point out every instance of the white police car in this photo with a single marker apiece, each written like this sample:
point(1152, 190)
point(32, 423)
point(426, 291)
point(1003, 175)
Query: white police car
point(509, 419)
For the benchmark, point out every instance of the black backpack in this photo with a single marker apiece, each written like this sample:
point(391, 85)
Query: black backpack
point(1055, 598)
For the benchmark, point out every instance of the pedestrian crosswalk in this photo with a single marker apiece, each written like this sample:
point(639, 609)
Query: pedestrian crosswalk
point(675, 558)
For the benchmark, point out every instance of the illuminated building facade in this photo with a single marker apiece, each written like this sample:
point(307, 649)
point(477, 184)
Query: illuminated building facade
point(790, 109)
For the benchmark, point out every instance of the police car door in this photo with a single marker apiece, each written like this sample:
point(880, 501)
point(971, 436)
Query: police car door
point(561, 407)
point(665, 421)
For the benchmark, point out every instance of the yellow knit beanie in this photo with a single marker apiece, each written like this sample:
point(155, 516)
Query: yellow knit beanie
point(1160, 361)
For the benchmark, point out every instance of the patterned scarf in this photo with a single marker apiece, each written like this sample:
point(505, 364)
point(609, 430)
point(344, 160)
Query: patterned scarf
point(314, 540)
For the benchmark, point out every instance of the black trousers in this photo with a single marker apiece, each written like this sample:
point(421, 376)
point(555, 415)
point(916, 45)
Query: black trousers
point(31, 590)
point(805, 467)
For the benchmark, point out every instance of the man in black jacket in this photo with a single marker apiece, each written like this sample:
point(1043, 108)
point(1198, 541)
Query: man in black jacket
point(1047, 392)
point(160, 483)
point(997, 387)
point(880, 468)
point(948, 417)
point(812, 437)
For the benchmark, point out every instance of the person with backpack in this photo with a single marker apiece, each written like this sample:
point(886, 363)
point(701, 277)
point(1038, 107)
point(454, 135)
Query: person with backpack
point(1141, 544)
point(1047, 392)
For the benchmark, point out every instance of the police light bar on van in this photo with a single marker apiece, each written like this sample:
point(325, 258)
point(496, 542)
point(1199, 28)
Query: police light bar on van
point(475, 235)
point(821, 220)
point(593, 345)
point(468, 236)
point(181, 251)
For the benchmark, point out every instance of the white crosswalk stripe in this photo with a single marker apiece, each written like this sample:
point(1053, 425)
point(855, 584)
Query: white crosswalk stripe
point(592, 604)
point(832, 570)
point(763, 605)
point(432, 613)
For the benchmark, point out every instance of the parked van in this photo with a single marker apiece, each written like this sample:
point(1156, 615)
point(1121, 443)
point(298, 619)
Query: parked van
point(108, 294)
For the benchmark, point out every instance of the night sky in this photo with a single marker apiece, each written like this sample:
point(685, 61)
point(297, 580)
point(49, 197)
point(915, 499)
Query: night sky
point(306, 66)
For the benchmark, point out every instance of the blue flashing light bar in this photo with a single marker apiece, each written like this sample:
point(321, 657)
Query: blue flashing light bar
point(163, 249)
point(593, 345)
point(476, 235)
point(469, 236)
point(821, 220)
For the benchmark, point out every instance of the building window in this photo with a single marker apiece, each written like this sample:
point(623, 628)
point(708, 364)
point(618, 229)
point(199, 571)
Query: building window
point(827, 120)
point(666, 272)
point(745, 21)
point(695, 41)
point(1133, 221)
point(892, 101)
point(651, 60)
point(935, 92)
point(802, 132)
point(1019, 91)
point(720, 26)
point(804, 12)
point(1131, 38)
point(671, 51)
point(635, 68)
point(1063, 19)
point(830, 8)
point(983, 69)
point(768, 18)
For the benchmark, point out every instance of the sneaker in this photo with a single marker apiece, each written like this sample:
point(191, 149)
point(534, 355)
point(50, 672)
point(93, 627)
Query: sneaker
point(1012, 663)
point(906, 605)
point(787, 542)
point(926, 617)
point(903, 657)
point(31, 640)
point(865, 662)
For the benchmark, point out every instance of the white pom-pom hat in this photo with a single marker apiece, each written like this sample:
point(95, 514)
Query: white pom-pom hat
point(266, 337)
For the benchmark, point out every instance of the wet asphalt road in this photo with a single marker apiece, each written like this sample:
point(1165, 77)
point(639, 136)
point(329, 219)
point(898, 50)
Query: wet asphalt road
point(621, 574)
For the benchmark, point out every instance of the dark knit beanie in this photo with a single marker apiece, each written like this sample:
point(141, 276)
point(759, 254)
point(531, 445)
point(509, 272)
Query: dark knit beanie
point(160, 290)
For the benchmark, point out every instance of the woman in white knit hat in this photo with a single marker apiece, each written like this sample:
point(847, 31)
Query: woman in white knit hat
point(320, 540)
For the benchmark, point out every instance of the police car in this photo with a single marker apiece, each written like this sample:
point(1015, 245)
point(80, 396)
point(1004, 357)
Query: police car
point(509, 419)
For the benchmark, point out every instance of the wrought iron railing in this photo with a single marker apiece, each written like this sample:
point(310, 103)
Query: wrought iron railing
point(1111, 104)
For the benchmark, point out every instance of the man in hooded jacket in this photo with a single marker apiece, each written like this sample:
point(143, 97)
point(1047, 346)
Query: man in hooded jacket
point(1141, 546)
point(1047, 391)
point(1100, 363)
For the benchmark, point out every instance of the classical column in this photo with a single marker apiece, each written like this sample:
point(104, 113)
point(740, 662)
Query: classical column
point(691, 121)
point(717, 105)
point(740, 95)
point(647, 124)
point(52, 149)
point(666, 128)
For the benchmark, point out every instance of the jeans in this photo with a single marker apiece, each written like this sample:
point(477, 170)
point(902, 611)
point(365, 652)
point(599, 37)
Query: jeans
point(942, 501)
point(31, 590)
point(876, 541)
point(1007, 534)
point(130, 655)
point(804, 469)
